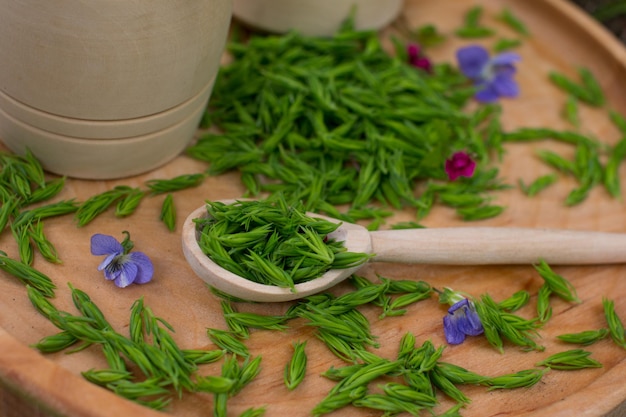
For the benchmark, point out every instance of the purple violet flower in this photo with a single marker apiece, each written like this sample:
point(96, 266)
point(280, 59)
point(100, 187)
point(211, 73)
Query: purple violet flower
point(121, 266)
point(460, 164)
point(461, 321)
point(493, 75)
point(417, 58)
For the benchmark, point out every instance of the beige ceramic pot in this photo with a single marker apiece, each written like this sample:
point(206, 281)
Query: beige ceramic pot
point(115, 77)
point(315, 17)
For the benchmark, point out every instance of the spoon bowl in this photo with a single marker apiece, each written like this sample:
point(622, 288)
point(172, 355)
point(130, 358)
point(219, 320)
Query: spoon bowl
point(441, 246)
point(356, 239)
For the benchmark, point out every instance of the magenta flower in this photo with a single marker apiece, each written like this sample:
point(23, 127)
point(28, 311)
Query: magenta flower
point(121, 266)
point(492, 75)
point(460, 165)
point(417, 58)
point(461, 321)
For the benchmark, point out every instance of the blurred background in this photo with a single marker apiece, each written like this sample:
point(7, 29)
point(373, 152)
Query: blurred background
point(611, 13)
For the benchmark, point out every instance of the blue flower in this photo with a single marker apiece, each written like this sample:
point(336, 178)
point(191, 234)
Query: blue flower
point(461, 320)
point(492, 75)
point(121, 266)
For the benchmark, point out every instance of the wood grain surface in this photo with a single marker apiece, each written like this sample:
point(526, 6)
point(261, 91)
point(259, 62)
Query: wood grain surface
point(563, 39)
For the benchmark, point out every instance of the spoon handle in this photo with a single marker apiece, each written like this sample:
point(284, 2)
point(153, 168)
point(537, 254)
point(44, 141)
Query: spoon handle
point(497, 246)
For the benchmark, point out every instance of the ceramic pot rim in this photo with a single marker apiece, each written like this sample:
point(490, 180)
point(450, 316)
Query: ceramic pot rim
point(103, 129)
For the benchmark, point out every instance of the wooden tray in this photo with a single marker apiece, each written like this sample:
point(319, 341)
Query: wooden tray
point(563, 39)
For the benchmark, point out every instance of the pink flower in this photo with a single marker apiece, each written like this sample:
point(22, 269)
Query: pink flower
point(460, 165)
point(417, 58)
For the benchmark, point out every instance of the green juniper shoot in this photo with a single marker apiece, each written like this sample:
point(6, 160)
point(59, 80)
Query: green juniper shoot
point(227, 341)
point(556, 283)
point(570, 360)
point(99, 203)
point(272, 242)
point(611, 177)
point(168, 212)
point(310, 132)
point(525, 378)
point(584, 338)
point(515, 302)
point(27, 275)
point(295, 369)
point(588, 90)
point(499, 325)
point(472, 27)
point(508, 17)
point(571, 112)
point(505, 44)
point(544, 309)
point(129, 203)
point(162, 369)
point(615, 324)
point(538, 185)
point(160, 186)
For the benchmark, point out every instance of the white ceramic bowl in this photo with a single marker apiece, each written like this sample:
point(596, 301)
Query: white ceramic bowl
point(107, 89)
point(99, 159)
point(103, 129)
point(110, 59)
point(315, 17)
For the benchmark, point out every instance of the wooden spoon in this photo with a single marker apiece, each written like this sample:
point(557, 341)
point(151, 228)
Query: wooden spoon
point(440, 246)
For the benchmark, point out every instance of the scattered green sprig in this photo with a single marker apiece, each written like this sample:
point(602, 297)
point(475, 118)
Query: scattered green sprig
point(516, 301)
point(257, 321)
point(168, 212)
point(556, 283)
point(500, 325)
point(27, 275)
point(530, 134)
point(163, 368)
point(544, 309)
point(538, 185)
point(505, 44)
point(557, 161)
point(472, 27)
point(99, 203)
point(428, 36)
point(584, 338)
point(588, 90)
point(388, 404)
point(42, 243)
point(508, 17)
point(521, 379)
point(228, 341)
point(60, 208)
point(21, 174)
point(571, 111)
point(616, 326)
point(128, 204)
point(612, 181)
point(181, 182)
point(126, 199)
point(618, 120)
point(295, 369)
point(570, 360)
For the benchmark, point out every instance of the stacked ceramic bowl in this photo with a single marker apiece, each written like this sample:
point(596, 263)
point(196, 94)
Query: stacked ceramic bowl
point(315, 17)
point(107, 89)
